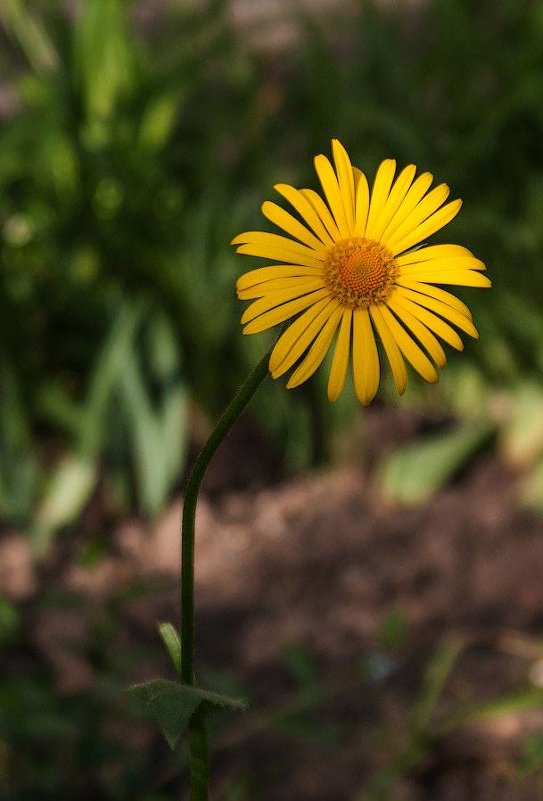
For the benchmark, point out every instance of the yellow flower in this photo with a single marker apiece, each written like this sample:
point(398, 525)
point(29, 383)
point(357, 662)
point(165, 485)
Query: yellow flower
point(349, 269)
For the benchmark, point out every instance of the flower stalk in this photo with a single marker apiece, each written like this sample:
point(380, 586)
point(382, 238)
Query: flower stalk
point(199, 753)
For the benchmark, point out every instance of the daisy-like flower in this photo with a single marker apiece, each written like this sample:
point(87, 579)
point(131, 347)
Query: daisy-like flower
point(350, 271)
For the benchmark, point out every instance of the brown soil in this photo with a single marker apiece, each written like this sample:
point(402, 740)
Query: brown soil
point(312, 572)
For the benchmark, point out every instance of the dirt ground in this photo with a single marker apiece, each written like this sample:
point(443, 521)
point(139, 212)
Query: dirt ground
point(299, 579)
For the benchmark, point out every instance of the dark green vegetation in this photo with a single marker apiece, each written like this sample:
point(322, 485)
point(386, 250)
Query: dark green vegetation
point(131, 158)
point(130, 154)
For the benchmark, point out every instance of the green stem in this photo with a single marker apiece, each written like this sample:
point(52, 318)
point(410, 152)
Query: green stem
point(199, 761)
point(199, 755)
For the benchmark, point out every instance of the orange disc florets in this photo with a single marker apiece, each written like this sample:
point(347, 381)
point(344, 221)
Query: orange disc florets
point(360, 272)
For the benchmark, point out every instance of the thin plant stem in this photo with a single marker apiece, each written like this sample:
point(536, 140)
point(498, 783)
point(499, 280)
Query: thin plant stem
point(199, 757)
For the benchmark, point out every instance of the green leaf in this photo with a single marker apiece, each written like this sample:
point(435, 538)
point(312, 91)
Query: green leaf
point(75, 476)
point(172, 641)
point(414, 473)
point(18, 460)
point(394, 631)
point(60, 409)
point(300, 664)
point(172, 704)
point(103, 55)
point(158, 121)
point(514, 703)
point(105, 376)
point(220, 700)
point(30, 34)
point(69, 490)
point(10, 620)
point(522, 437)
point(531, 759)
point(158, 437)
point(435, 677)
point(531, 488)
point(162, 348)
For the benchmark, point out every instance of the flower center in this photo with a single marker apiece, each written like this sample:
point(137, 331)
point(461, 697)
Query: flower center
point(360, 272)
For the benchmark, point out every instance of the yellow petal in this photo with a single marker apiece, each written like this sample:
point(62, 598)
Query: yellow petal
point(453, 315)
point(269, 288)
point(393, 353)
point(424, 336)
point(263, 274)
point(427, 206)
point(275, 240)
point(416, 191)
point(439, 264)
point(290, 224)
point(306, 211)
point(451, 277)
point(435, 292)
point(379, 194)
point(432, 252)
point(317, 352)
point(431, 321)
point(362, 205)
point(344, 170)
point(282, 312)
point(395, 198)
point(356, 176)
point(277, 298)
point(323, 212)
point(299, 336)
point(340, 360)
point(409, 348)
point(330, 187)
point(365, 357)
point(428, 227)
point(266, 251)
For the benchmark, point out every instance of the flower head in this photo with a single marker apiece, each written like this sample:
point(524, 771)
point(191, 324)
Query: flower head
point(349, 270)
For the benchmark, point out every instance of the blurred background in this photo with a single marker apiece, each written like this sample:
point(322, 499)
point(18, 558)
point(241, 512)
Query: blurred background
point(370, 580)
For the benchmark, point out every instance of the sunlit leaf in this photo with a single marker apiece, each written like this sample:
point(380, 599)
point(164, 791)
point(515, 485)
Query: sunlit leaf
point(158, 121)
point(157, 435)
point(414, 473)
point(521, 437)
point(103, 57)
point(69, 490)
point(32, 37)
point(172, 641)
point(531, 487)
point(513, 703)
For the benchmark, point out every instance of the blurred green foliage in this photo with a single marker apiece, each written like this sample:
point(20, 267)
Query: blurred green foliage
point(66, 745)
point(130, 153)
point(134, 152)
point(116, 279)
